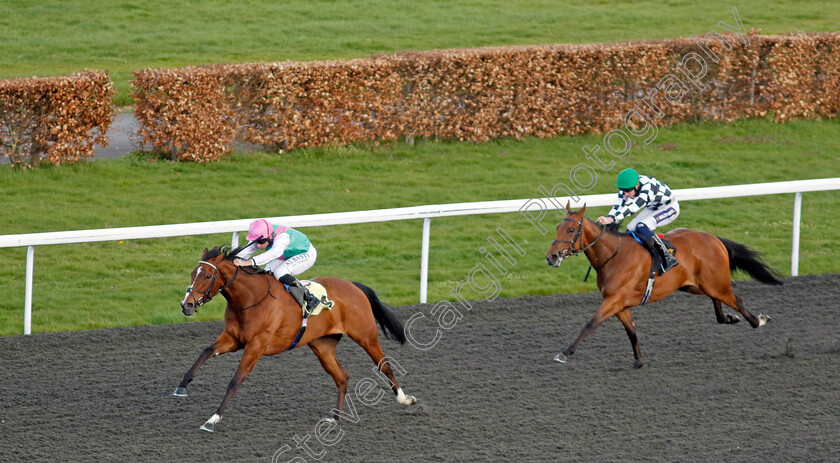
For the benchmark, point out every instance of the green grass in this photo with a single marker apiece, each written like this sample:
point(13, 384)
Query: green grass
point(107, 284)
point(53, 37)
point(116, 284)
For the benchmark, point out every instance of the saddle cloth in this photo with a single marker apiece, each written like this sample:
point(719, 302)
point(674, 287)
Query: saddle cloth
point(320, 293)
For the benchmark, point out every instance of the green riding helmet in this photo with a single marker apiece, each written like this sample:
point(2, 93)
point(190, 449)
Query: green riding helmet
point(627, 178)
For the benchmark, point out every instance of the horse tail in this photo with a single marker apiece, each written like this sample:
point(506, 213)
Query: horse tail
point(389, 322)
point(743, 258)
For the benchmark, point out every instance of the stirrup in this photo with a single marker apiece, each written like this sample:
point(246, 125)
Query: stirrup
point(669, 262)
point(310, 303)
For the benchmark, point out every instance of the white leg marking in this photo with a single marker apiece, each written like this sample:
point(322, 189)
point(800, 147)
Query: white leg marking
point(210, 425)
point(763, 319)
point(405, 399)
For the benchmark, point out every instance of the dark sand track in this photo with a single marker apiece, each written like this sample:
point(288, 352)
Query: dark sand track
point(488, 390)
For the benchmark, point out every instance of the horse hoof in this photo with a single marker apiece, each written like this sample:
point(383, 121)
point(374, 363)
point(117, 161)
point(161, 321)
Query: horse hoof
point(763, 319)
point(638, 365)
point(405, 399)
point(560, 358)
point(180, 392)
point(210, 425)
point(734, 319)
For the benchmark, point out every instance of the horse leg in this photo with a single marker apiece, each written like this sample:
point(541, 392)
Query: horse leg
point(324, 349)
point(253, 352)
point(755, 321)
point(224, 344)
point(721, 317)
point(734, 301)
point(630, 327)
point(607, 309)
point(374, 349)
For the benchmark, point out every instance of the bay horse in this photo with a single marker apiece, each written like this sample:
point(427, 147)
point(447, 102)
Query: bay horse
point(623, 267)
point(264, 319)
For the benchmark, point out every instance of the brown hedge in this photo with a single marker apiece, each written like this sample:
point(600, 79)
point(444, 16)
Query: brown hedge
point(54, 119)
point(197, 113)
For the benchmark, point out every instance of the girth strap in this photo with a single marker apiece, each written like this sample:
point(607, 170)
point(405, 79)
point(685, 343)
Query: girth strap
point(302, 326)
point(649, 288)
point(300, 333)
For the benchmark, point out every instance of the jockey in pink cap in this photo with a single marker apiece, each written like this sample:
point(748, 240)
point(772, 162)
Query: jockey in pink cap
point(288, 252)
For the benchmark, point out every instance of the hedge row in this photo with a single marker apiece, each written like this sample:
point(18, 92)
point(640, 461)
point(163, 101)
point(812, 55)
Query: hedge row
point(54, 119)
point(196, 113)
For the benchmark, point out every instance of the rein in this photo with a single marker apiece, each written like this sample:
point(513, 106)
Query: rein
point(617, 248)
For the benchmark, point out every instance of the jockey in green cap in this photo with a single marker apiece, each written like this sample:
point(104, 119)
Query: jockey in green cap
point(661, 208)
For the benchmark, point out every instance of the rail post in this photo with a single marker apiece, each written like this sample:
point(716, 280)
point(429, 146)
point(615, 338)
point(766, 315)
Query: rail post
point(424, 260)
point(797, 217)
point(27, 304)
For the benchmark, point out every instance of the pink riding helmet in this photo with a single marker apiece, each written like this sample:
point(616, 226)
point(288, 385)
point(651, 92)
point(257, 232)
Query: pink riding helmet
point(262, 228)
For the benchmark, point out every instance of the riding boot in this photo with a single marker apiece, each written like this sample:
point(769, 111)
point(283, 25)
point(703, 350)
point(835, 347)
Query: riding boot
point(301, 293)
point(668, 259)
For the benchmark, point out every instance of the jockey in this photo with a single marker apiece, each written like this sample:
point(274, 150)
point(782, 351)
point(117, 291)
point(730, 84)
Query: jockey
point(638, 191)
point(288, 252)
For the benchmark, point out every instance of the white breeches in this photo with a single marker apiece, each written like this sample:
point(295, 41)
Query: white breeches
point(293, 265)
point(656, 218)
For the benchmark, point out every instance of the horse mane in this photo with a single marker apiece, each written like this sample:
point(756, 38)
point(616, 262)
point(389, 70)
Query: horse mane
point(230, 254)
point(215, 252)
point(612, 228)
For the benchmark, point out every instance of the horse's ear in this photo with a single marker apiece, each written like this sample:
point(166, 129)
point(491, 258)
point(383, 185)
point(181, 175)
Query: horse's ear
point(582, 210)
point(568, 209)
point(204, 253)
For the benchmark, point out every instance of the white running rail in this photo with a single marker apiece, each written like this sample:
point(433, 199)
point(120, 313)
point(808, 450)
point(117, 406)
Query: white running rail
point(30, 240)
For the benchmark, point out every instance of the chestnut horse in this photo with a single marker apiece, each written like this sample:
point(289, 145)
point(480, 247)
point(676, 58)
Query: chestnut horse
point(623, 267)
point(264, 319)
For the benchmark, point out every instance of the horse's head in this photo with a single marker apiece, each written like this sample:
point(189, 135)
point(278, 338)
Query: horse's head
point(207, 281)
point(569, 238)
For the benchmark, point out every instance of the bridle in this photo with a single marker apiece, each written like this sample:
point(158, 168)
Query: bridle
point(206, 297)
point(579, 237)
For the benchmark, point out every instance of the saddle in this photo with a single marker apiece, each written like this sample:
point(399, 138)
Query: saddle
point(655, 258)
point(655, 263)
point(316, 290)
